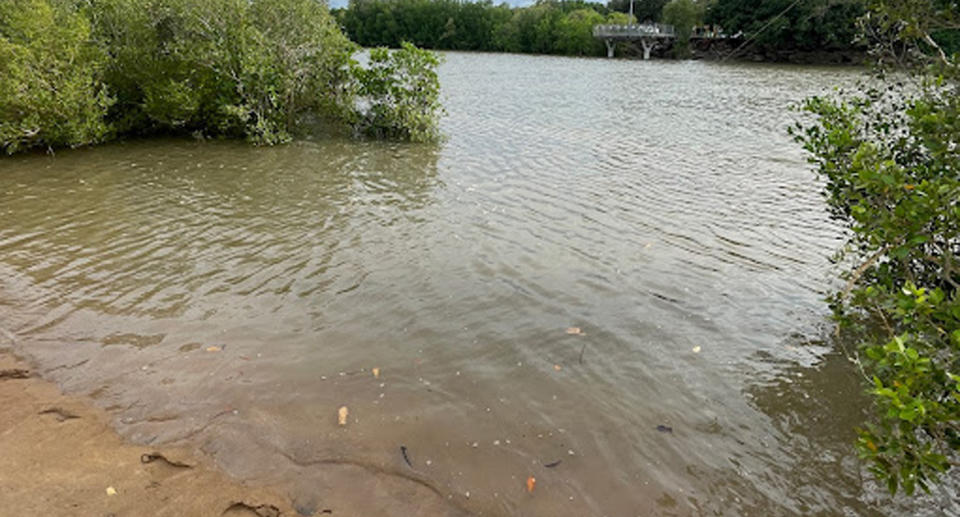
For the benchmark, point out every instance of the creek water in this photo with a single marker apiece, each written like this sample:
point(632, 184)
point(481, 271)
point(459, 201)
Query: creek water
point(235, 297)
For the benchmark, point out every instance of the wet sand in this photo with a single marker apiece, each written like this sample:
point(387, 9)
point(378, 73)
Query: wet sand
point(59, 456)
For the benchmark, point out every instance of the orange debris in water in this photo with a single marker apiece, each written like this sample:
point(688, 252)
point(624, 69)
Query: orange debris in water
point(531, 483)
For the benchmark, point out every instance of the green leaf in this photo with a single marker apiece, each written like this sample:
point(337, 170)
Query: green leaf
point(909, 414)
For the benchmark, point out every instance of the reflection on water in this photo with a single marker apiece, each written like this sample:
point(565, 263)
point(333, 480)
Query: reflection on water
point(234, 298)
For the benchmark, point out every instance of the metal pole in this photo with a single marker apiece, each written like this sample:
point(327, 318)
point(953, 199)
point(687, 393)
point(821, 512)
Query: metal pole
point(631, 9)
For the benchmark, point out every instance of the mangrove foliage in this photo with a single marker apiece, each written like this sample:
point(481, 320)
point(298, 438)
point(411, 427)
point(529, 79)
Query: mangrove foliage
point(890, 157)
point(78, 72)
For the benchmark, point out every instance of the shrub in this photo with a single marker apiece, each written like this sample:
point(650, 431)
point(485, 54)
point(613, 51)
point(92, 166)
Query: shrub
point(890, 155)
point(50, 92)
point(223, 67)
point(398, 94)
point(264, 70)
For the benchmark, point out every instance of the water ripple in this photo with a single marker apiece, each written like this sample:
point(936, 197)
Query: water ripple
point(657, 206)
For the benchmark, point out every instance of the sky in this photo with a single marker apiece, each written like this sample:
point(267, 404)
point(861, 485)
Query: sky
point(343, 3)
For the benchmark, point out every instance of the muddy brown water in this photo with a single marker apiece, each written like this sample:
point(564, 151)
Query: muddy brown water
point(233, 298)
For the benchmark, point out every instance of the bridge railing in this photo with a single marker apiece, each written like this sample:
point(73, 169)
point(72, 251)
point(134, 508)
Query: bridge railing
point(634, 31)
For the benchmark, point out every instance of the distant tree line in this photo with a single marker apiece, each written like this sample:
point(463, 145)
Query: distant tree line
point(775, 25)
point(547, 27)
point(566, 26)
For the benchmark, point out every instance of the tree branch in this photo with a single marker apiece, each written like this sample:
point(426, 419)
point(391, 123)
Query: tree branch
point(863, 268)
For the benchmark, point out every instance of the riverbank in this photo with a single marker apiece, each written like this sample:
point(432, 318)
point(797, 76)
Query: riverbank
point(738, 50)
point(59, 456)
point(735, 50)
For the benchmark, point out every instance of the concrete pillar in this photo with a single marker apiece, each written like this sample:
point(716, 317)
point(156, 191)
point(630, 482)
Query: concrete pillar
point(611, 45)
point(648, 45)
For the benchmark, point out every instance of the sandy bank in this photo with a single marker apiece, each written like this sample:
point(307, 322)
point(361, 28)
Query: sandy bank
point(59, 456)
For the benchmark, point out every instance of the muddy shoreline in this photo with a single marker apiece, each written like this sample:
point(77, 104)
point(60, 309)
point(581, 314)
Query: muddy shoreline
point(60, 456)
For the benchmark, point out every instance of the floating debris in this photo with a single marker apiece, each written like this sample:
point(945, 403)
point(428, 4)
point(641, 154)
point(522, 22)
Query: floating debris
point(342, 414)
point(376, 373)
point(111, 490)
point(553, 464)
point(531, 484)
point(214, 348)
point(406, 458)
point(696, 349)
point(664, 428)
point(575, 331)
